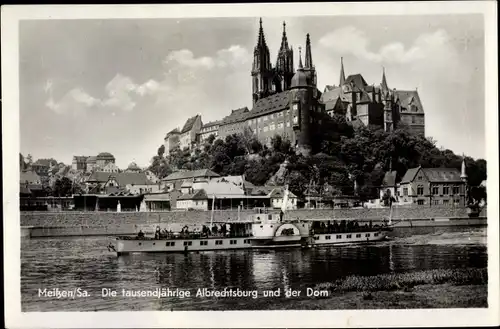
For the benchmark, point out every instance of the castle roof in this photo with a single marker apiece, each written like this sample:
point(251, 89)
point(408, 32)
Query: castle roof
point(407, 98)
point(173, 132)
point(300, 79)
point(332, 95)
point(212, 123)
point(275, 102)
point(237, 115)
point(91, 159)
point(189, 124)
point(357, 80)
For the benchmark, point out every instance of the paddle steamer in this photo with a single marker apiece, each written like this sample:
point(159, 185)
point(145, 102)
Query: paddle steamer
point(262, 230)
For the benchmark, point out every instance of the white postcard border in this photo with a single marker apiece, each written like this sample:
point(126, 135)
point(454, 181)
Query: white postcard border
point(348, 318)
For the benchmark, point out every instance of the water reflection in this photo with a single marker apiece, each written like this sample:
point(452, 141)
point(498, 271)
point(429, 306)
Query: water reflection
point(70, 263)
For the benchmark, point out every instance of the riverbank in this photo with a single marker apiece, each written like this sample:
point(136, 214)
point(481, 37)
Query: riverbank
point(459, 288)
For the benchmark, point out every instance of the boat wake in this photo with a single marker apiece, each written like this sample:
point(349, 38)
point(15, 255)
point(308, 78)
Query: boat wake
point(473, 237)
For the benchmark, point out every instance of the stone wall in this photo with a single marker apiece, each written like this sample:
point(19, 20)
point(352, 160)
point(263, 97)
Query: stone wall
point(113, 219)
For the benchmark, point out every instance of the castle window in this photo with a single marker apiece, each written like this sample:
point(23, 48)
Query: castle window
point(280, 125)
point(456, 189)
point(295, 119)
point(295, 107)
point(435, 190)
point(280, 114)
point(288, 124)
point(446, 190)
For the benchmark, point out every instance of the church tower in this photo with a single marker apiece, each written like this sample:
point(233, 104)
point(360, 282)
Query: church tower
point(388, 116)
point(309, 68)
point(262, 72)
point(342, 74)
point(302, 100)
point(284, 63)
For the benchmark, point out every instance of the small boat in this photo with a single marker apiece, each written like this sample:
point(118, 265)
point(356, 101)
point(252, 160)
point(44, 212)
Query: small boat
point(262, 230)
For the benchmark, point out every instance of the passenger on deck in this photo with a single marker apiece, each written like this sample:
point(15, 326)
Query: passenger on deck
point(157, 233)
point(281, 215)
point(140, 234)
point(214, 230)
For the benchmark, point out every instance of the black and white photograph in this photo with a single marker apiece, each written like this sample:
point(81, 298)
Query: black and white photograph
point(287, 158)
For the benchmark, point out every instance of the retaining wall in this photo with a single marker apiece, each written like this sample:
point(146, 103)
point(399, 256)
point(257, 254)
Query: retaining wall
point(89, 219)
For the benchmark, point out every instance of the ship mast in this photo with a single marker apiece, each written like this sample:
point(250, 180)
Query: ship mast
point(212, 213)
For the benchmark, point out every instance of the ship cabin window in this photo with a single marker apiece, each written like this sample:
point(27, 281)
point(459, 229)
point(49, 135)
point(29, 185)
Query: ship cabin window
point(188, 243)
point(367, 235)
point(376, 234)
point(348, 236)
point(316, 237)
point(169, 244)
point(246, 241)
point(232, 241)
point(262, 226)
point(328, 237)
point(203, 243)
point(358, 235)
point(218, 242)
point(271, 226)
point(140, 243)
point(270, 217)
point(339, 236)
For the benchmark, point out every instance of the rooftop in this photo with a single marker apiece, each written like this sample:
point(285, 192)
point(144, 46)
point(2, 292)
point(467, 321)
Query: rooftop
point(433, 175)
point(105, 156)
point(180, 175)
point(276, 102)
point(189, 124)
point(237, 115)
point(407, 98)
point(124, 178)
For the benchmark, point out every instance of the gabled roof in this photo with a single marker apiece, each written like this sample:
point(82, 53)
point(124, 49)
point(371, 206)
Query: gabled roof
point(29, 176)
point(179, 175)
point(407, 98)
point(357, 80)
point(442, 175)
point(276, 102)
point(278, 192)
point(333, 94)
point(237, 115)
point(390, 178)
point(223, 188)
point(80, 158)
point(410, 175)
point(189, 124)
point(434, 175)
point(124, 178)
point(197, 195)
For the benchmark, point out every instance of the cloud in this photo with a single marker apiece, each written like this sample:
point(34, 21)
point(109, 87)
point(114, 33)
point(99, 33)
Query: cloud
point(76, 100)
point(352, 41)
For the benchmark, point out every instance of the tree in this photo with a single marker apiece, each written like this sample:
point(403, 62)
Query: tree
point(161, 151)
point(29, 160)
point(62, 187)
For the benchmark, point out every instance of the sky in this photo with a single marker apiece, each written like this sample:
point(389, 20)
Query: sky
point(118, 86)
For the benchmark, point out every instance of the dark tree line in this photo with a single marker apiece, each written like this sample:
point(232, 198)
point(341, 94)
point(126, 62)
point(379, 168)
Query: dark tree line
point(343, 157)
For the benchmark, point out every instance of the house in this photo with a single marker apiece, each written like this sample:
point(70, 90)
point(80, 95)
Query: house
point(187, 136)
point(176, 179)
point(103, 158)
point(135, 183)
point(276, 198)
point(91, 163)
point(196, 200)
point(158, 201)
point(432, 187)
point(110, 167)
point(30, 177)
point(79, 162)
point(133, 167)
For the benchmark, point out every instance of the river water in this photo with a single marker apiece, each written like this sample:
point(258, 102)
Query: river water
point(85, 263)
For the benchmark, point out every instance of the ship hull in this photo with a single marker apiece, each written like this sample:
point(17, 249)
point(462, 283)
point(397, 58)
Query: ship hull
point(126, 246)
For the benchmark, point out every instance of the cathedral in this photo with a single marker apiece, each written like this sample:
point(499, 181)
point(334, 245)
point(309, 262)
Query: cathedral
point(286, 101)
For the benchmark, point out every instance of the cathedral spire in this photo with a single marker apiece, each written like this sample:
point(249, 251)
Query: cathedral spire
point(308, 59)
point(384, 85)
point(284, 40)
point(342, 74)
point(300, 58)
point(261, 42)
